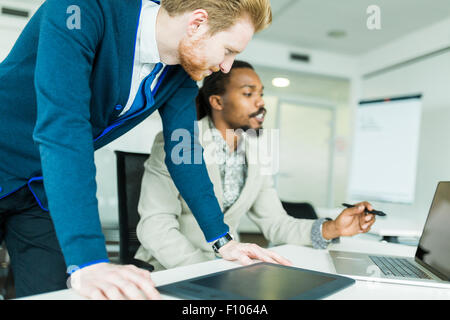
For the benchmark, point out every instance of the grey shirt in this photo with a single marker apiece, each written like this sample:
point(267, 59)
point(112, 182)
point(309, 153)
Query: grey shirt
point(232, 167)
point(233, 171)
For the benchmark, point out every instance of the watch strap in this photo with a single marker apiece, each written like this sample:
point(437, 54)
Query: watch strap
point(221, 242)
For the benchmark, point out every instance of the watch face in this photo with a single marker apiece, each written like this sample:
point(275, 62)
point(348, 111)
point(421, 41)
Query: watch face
point(221, 242)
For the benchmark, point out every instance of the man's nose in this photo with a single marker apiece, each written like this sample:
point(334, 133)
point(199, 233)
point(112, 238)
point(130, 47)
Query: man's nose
point(260, 102)
point(226, 65)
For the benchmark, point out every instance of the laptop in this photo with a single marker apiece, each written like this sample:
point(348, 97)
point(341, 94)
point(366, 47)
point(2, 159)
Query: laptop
point(431, 264)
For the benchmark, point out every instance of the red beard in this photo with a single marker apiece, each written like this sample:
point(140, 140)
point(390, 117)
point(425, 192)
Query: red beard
point(192, 58)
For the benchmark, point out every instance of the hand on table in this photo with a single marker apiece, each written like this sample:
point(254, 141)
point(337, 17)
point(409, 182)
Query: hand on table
point(245, 252)
point(105, 281)
point(351, 221)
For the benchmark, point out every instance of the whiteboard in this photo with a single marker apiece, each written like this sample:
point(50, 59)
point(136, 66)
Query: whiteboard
point(385, 150)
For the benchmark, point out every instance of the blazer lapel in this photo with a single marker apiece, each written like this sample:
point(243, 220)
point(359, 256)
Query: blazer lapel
point(126, 57)
point(207, 142)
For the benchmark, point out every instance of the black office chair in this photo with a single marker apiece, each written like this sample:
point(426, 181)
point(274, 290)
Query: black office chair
point(7, 290)
point(300, 210)
point(130, 169)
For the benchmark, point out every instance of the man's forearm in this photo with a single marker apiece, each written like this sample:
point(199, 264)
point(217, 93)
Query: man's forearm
point(191, 179)
point(63, 132)
point(329, 230)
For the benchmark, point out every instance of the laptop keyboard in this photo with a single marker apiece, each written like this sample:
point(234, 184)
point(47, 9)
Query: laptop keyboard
point(398, 267)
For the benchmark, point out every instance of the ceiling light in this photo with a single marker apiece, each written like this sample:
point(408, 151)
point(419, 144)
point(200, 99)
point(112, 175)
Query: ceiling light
point(337, 34)
point(281, 82)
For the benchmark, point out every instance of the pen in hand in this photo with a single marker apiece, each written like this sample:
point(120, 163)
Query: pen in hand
point(375, 212)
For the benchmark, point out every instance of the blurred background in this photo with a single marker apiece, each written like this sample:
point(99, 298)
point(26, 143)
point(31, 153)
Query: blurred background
point(317, 61)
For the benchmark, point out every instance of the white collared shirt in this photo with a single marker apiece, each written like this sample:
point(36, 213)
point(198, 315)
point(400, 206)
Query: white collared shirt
point(146, 54)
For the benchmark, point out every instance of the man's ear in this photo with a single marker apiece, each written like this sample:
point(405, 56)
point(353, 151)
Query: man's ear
point(216, 102)
point(198, 20)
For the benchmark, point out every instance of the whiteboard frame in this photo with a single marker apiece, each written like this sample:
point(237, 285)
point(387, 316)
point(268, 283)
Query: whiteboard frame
point(370, 101)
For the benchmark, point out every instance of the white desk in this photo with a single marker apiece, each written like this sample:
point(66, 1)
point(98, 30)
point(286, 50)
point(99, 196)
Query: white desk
point(307, 258)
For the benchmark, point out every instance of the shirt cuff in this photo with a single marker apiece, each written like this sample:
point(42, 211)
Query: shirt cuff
point(72, 269)
point(317, 239)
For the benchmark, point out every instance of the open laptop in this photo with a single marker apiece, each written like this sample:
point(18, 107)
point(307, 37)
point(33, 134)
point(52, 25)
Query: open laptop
point(429, 267)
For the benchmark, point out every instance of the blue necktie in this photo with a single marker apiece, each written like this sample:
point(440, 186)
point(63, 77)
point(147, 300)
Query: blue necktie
point(144, 95)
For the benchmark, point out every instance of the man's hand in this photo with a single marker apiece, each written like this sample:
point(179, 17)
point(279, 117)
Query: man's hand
point(351, 221)
point(245, 252)
point(105, 281)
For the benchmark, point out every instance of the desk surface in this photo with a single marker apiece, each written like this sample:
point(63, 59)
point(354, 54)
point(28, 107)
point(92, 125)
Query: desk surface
point(308, 258)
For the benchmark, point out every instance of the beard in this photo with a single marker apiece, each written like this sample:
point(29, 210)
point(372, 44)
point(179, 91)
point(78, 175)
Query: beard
point(255, 132)
point(192, 59)
point(248, 130)
point(251, 131)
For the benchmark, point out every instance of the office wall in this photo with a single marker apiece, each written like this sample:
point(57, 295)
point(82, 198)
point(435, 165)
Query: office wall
point(318, 90)
point(8, 37)
point(321, 62)
point(421, 42)
point(429, 75)
point(416, 63)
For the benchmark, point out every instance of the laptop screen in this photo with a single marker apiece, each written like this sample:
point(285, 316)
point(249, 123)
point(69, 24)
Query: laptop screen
point(434, 245)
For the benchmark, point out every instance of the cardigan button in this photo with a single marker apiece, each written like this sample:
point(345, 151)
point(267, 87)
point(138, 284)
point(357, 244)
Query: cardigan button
point(118, 107)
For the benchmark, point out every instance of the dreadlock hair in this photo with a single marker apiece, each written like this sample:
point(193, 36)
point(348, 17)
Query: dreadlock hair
point(215, 84)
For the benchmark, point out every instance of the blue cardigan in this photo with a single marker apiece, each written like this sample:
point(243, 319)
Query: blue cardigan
point(61, 90)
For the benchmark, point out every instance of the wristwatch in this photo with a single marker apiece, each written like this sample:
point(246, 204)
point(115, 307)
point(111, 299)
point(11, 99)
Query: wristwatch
point(221, 242)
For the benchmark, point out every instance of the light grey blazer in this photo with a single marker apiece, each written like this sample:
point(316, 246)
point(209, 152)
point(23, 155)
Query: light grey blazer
point(168, 232)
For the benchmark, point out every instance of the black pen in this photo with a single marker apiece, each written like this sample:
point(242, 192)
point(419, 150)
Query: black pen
point(375, 212)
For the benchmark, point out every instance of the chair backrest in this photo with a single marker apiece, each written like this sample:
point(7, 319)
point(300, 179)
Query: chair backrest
point(300, 210)
point(130, 169)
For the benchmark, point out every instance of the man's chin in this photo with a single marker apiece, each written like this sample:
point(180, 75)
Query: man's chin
point(252, 132)
point(257, 132)
point(197, 76)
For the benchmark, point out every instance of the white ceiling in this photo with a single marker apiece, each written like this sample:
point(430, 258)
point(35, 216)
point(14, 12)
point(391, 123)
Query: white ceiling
point(305, 23)
point(321, 88)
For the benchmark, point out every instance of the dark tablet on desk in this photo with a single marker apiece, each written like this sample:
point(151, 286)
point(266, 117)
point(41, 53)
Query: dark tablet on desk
point(259, 281)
